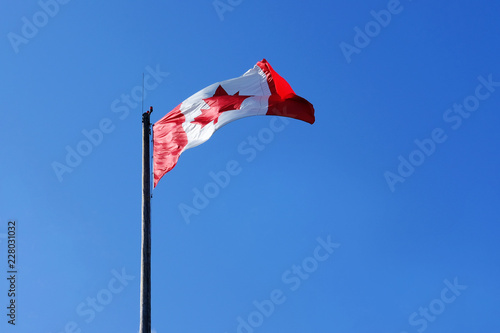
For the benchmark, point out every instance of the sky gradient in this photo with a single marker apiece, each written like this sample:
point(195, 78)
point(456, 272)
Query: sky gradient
point(380, 217)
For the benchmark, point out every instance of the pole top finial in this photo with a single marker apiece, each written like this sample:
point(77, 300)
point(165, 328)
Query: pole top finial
point(147, 113)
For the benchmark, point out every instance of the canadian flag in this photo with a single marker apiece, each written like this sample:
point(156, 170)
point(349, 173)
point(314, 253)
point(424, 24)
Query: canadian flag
point(260, 91)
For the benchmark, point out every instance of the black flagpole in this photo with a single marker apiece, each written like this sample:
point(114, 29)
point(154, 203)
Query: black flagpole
point(145, 326)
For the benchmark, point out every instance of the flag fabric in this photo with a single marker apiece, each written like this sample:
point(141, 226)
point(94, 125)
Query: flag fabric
point(260, 91)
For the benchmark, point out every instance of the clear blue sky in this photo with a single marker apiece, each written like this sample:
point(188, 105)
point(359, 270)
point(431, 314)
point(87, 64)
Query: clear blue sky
point(399, 173)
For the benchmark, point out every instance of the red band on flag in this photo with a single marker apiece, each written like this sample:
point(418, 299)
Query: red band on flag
point(283, 100)
point(168, 142)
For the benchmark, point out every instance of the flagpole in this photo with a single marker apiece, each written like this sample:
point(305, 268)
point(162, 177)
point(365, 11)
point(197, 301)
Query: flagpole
point(145, 325)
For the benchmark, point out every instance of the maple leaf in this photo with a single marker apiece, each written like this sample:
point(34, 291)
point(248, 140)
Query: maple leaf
point(217, 104)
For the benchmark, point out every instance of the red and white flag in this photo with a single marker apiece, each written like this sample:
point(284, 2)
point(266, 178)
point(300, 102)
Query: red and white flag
point(260, 91)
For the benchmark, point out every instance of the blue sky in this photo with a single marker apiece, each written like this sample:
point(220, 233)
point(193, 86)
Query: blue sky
point(382, 216)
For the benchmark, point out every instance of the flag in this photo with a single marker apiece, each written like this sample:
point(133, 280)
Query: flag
point(260, 91)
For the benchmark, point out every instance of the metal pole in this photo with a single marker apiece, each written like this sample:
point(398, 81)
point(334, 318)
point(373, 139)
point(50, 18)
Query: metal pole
point(145, 326)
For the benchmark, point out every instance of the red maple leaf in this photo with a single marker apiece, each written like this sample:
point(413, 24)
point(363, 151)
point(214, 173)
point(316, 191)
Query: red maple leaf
point(217, 104)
